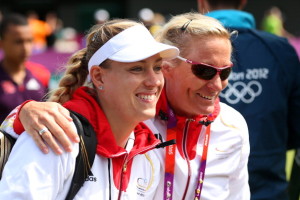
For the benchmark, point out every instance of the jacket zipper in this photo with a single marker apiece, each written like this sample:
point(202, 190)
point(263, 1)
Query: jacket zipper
point(184, 141)
point(124, 167)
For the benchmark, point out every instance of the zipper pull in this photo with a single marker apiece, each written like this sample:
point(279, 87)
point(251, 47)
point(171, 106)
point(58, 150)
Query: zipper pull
point(165, 144)
point(124, 168)
point(207, 121)
point(190, 120)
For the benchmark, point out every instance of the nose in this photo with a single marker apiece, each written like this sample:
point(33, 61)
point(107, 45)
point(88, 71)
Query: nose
point(215, 84)
point(154, 79)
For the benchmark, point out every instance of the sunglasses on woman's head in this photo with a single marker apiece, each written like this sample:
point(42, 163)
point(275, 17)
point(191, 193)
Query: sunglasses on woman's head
point(207, 72)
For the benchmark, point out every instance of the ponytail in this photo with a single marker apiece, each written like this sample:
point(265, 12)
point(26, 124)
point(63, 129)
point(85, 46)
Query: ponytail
point(74, 77)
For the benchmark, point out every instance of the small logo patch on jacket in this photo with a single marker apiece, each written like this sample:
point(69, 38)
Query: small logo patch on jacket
point(91, 178)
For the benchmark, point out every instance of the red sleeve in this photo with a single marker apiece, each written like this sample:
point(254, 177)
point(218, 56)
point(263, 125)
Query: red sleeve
point(40, 72)
point(17, 125)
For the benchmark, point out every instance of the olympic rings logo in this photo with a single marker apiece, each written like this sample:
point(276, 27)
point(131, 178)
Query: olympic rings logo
point(240, 91)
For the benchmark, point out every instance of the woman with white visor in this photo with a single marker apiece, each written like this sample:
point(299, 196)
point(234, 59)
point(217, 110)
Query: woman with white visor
point(122, 66)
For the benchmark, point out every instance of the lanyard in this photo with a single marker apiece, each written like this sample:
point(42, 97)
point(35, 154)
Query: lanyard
point(202, 164)
point(170, 165)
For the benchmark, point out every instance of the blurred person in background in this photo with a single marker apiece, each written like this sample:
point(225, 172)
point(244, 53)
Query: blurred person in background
point(158, 22)
point(265, 87)
point(40, 29)
point(273, 22)
point(153, 21)
point(146, 15)
point(101, 16)
point(56, 25)
point(20, 79)
point(67, 43)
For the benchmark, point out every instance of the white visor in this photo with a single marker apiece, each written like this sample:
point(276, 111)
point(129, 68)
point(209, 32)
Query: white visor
point(131, 45)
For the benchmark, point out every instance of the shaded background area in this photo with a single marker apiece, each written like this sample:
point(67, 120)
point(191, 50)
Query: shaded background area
point(79, 14)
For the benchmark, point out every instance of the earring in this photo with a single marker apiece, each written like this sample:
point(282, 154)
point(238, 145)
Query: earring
point(100, 87)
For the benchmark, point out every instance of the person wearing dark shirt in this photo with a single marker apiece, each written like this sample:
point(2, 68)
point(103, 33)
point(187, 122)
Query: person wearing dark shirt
point(20, 79)
point(265, 87)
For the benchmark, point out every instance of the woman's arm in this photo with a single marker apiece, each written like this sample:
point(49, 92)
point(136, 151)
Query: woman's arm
point(238, 185)
point(35, 116)
point(30, 174)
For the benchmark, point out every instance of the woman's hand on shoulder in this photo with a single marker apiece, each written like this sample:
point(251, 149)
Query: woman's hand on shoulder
point(48, 123)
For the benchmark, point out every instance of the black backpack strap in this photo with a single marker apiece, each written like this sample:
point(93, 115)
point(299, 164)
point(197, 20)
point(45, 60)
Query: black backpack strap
point(86, 155)
point(6, 144)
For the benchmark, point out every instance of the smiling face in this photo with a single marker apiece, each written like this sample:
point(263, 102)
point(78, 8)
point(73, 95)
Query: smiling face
point(188, 95)
point(131, 90)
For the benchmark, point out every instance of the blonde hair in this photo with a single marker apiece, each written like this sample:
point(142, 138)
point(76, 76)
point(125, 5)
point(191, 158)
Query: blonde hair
point(188, 26)
point(77, 66)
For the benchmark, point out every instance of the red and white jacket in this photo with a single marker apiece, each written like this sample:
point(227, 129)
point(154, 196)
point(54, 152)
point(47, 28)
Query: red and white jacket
point(226, 175)
point(118, 173)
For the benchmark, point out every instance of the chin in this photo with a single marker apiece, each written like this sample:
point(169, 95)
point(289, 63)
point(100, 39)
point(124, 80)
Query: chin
point(148, 114)
point(206, 111)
